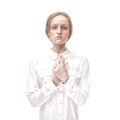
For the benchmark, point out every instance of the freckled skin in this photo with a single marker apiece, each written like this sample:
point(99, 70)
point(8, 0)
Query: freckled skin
point(59, 33)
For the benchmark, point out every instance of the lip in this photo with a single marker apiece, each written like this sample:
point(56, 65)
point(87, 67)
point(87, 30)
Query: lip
point(59, 37)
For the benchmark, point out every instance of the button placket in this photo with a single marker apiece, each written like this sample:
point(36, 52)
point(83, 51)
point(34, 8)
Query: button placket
point(60, 99)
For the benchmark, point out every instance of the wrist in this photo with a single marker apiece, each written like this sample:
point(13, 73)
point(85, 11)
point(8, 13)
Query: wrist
point(55, 81)
point(64, 80)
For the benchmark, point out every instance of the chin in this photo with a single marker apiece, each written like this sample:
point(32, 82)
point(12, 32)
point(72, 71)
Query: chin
point(60, 43)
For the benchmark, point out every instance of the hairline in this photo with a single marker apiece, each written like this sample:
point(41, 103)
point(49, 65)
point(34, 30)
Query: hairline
point(52, 16)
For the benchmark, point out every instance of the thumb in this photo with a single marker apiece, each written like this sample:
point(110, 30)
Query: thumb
point(66, 65)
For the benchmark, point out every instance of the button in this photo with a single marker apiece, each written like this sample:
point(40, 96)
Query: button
point(63, 87)
point(60, 91)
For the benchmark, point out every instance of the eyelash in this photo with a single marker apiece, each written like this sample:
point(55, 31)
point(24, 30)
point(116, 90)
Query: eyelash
point(62, 27)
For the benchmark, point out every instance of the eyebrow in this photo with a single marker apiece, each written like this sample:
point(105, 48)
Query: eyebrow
point(62, 24)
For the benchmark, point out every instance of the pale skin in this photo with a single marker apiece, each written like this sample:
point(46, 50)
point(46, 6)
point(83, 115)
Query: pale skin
point(58, 34)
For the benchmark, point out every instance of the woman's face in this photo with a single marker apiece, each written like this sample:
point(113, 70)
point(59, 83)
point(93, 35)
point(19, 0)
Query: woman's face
point(59, 30)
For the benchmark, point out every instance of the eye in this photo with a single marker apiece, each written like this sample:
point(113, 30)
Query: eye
point(54, 27)
point(64, 27)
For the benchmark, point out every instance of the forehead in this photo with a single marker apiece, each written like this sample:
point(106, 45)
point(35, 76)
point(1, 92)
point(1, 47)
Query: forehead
point(60, 19)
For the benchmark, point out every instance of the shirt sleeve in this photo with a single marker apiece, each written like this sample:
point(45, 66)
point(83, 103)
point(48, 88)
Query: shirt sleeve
point(79, 92)
point(38, 92)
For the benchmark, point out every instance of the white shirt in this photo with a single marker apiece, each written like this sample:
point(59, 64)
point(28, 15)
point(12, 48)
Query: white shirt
point(58, 102)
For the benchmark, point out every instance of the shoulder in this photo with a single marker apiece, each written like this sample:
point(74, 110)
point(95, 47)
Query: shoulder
point(41, 61)
point(77, 56)
point(37, 60)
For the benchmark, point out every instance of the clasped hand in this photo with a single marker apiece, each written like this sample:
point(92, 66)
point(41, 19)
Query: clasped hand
point(60, 71)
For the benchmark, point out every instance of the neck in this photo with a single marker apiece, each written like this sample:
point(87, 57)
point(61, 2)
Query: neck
point(58, 48)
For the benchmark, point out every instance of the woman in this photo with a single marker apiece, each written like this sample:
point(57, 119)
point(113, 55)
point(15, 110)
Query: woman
point(58, 82)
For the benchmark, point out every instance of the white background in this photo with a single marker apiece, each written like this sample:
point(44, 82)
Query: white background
point(96, 35)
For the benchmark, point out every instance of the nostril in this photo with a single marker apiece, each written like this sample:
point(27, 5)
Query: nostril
point(59, 31)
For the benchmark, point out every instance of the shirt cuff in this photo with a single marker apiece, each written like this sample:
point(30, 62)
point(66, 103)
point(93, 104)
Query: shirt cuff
point(49, 87)
point(70, 83)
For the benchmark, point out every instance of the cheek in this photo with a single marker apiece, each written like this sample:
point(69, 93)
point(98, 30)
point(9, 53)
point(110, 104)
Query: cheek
point(66, 34)
point(51, 34)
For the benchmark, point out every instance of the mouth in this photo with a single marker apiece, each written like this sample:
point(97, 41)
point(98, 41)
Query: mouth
point(59, 37)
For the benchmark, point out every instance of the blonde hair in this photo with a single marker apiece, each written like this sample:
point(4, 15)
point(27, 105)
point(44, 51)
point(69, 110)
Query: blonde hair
point(50, 18)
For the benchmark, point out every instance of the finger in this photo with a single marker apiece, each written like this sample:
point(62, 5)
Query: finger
point(66, 65)
point(56, 68)
point(62, 61)
point(58, 63)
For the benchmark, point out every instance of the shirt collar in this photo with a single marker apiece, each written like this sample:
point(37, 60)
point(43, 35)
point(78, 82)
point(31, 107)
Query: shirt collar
point(54, 55)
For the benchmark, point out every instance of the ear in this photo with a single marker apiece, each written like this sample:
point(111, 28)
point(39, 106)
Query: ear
point(48, 35)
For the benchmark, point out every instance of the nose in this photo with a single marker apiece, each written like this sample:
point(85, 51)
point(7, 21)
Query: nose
point(59, 31)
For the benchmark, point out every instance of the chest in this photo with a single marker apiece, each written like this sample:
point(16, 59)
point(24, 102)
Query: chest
point(74, 68)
